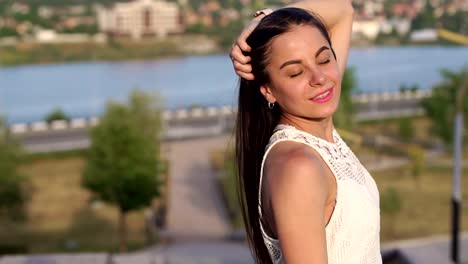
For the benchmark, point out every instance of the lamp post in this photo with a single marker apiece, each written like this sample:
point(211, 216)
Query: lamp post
point(456, 191)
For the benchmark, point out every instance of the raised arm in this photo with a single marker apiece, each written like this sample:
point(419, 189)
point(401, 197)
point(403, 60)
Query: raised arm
point(337, 16)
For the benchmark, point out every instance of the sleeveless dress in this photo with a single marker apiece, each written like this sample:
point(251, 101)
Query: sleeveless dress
point(352, 233)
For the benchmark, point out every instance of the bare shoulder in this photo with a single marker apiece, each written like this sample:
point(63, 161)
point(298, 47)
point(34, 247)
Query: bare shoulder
point(294, 171)
point(295, 167)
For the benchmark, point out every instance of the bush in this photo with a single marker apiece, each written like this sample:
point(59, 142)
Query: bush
point(56, 114)
point(390, 204)
point(406, 129)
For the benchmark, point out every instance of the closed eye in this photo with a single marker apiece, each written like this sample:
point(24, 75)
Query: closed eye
point(325, 62)
point(295, 75)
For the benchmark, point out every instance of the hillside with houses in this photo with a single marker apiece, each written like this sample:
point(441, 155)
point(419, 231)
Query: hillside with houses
point(377, 22)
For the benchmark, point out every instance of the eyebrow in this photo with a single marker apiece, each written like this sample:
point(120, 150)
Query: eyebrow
point(299, 61)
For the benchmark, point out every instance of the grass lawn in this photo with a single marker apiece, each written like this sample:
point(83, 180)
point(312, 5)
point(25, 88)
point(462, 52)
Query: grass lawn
point(391, 127)
point(61, 216)
point(426, 206)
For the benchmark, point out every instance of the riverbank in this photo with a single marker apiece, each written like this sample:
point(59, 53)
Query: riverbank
point(40, 53)
point(24, 53)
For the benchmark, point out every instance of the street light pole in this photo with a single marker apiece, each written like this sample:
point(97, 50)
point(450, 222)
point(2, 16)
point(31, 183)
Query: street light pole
point(456, 191)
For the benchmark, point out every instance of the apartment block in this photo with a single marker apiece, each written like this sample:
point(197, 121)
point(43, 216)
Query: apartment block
point(138, 19)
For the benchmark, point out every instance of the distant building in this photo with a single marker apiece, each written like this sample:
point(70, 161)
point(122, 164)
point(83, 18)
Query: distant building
point(139, 18)
point(424, 35)
point(368, 28)
point(24, 27)
point(76, 9)
point(372, 8)
point(18, 7)
point(401, 25)
point(45, 12)
point(50, 36)
point(409, 10)
point(45, 35)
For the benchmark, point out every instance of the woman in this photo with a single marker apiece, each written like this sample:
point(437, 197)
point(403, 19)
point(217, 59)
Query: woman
point(305, 196)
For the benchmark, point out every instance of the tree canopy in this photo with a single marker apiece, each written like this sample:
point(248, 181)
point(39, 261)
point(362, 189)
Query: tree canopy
point(12, 193)
point(122, 167)
point(56, 114)
point(440, 107)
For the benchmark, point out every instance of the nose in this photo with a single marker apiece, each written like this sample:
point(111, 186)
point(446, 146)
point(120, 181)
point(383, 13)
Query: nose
point(317, 77)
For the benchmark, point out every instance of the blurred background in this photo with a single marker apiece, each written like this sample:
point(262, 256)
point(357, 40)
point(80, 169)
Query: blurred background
point(116, 129)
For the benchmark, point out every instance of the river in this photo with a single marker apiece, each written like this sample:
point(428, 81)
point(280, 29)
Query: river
point(28, 93)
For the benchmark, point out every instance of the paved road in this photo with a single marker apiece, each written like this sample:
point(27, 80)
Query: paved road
point(430, 250)
point(193, 253)
point(196, 209)
point(78, 138)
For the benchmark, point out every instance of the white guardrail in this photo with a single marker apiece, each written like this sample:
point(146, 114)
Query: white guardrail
point(207, 112)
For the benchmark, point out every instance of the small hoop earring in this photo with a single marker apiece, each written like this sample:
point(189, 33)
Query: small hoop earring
point(271, 105)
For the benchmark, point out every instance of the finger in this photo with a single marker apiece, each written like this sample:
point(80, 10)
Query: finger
point(237, 55)
point(247, 68)
point(241, 42)
point(247, 76)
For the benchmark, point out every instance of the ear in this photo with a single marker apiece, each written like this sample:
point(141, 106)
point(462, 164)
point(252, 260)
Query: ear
point(265, 89)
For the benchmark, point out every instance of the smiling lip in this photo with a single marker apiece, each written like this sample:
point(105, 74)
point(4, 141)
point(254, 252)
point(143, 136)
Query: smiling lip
point(325, 99)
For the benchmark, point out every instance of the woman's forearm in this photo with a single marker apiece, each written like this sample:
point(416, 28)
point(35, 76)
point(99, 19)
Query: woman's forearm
point(338, 18)
point(331, 11)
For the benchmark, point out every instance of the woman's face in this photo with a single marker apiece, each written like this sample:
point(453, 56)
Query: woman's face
point(304, 76)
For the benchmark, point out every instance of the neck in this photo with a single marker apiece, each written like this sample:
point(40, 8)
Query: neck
point(320, 127)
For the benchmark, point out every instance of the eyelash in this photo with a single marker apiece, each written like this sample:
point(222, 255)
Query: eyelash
point(325, 62)
point(295, 75)
point(299, 73)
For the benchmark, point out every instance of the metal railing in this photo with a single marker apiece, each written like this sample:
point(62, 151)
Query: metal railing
point(177, 119)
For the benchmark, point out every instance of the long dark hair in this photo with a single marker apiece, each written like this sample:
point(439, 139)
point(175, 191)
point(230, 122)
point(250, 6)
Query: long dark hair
point(255, 121)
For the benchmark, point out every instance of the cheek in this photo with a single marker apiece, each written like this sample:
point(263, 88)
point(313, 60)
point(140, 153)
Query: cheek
point(333, 73)
point(284, 88)
point(291, 91)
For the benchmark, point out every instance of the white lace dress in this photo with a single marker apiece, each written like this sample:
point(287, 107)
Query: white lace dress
point(352, 233)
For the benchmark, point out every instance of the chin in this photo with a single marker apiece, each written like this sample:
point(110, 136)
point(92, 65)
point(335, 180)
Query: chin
point(328, 111)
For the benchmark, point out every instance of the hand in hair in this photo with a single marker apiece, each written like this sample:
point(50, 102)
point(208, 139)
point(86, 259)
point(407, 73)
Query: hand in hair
point(239, 60)
point(337, 15)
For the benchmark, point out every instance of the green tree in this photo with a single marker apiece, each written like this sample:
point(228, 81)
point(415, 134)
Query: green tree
point(393, 37)
point(425, 19)
point(409, 88)
point(343, 118)
point(56, 114)
point(12, 184)
point(8, 32)
point(440, 107)
point(83, 28)
point(122, 165)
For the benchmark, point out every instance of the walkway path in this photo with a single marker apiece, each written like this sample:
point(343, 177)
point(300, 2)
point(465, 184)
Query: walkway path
point(196, 209)
point(430, 250)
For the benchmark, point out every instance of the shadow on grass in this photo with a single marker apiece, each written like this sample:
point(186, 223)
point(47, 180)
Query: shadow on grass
point(88, 232)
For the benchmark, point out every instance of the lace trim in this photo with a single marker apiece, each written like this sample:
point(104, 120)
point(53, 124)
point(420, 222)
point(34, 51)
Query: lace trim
point(338, 154)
